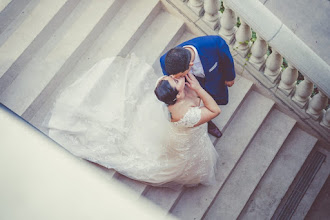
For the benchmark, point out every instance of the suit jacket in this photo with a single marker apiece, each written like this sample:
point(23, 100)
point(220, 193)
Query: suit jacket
point(217, 63)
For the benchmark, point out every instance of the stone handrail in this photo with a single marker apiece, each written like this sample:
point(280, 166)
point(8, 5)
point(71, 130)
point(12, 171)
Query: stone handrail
point(268, 69)
point(272, 30)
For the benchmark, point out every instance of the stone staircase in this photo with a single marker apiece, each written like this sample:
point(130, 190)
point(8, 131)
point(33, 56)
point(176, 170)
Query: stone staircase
point(46, 45)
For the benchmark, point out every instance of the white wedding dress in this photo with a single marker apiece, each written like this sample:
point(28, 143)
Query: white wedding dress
point(112, 117)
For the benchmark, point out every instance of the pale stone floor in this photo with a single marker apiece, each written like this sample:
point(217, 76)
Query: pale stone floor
point(320, 208)
point(309, 20)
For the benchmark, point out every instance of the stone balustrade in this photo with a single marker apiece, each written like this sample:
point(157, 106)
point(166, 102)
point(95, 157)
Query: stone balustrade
point(299, 95)
point(299, 56)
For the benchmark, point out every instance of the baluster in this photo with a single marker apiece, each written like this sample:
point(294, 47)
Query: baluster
point(303, 93)
point(326, 119)
point(243, 36)
point(212, 14)
point(273, 66)
point(228, 24)
point(196, 6)
point(316, 105)
point(258, 50)
point(288, 79)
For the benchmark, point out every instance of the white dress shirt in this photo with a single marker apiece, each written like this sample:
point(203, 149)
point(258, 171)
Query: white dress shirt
point(197, 68)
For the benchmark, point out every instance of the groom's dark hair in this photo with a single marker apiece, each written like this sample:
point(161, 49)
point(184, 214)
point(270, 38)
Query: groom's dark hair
point(177, 60)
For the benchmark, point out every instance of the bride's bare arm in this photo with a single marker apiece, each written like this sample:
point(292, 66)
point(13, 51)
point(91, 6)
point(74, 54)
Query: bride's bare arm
point(211, 108)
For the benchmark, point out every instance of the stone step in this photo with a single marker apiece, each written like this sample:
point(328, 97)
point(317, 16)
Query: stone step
point(313, 189)
point(166, 198)
point(320, 208)
point(3, 4)
point(37, 43)
point(132, 18)
point(161, 34)
point(251, 167)
point(55, 53)
point(138, 29)
point(109, 173)
point(134, 185)
point(230, 147)
point(163, 31)
point(237, 93)
point(301, 184)
point(36, 17)
point(152, 56)
point(163, 197)
point(12, 14)
point(279, 176)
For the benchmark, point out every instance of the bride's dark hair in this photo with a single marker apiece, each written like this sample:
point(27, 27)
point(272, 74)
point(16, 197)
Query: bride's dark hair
point(165, 92)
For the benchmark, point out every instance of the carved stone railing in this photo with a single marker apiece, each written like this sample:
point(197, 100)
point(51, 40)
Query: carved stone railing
point(268, 69)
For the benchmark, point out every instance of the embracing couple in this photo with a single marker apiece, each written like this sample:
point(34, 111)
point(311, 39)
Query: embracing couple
point(206, 59)
point(110, 115)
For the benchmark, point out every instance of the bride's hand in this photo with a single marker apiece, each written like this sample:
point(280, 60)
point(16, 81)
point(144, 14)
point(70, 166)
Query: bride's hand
point(192, 82)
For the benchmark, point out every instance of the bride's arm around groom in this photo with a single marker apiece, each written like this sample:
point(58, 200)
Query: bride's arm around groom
point(210, 109)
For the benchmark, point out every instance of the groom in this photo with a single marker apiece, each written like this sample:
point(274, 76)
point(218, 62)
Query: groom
point(209, 59)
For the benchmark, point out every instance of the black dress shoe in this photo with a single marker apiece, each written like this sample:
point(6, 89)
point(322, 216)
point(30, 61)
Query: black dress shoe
point(213, 129)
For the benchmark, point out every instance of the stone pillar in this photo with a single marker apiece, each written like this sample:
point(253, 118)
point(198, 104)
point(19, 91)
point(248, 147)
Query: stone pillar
point(326, 119)
point(196, 6)
point(243, 36)
point(273, 66)
point(316, 105)
point(228, 24)
point(303, 93)
point(258, 50)
point(212, 14)
point(288, 79)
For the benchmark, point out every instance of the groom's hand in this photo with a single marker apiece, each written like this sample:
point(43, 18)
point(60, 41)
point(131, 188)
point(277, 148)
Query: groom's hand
point(192, 82)
point(229, 83)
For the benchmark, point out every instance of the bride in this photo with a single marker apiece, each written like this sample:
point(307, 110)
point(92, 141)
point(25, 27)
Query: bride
point(112, 117)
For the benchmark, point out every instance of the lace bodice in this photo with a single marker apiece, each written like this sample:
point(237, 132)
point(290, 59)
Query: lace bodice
point(191, 118)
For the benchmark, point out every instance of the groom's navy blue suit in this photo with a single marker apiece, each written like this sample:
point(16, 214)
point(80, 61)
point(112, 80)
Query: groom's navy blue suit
point(217, 62)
